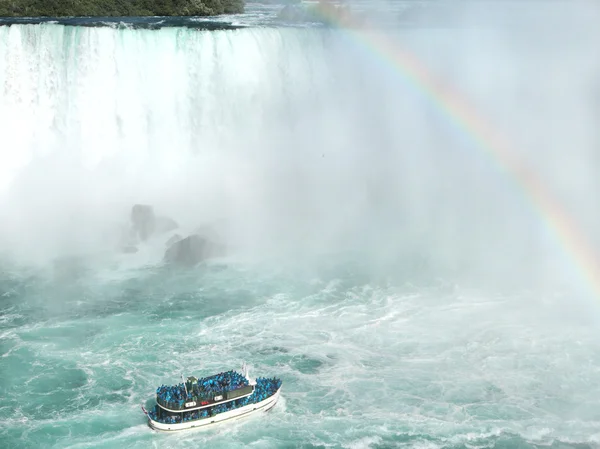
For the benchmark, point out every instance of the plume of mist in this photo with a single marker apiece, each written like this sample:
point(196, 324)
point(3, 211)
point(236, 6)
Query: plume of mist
point(303, 142)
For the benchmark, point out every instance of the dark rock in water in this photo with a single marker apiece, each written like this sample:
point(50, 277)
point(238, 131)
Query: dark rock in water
point(145, 223)
point(175, 238)
point(143, 220)
point(192, 250)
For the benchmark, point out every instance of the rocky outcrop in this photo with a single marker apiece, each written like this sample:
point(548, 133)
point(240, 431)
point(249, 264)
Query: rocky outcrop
point(203, 243)
point(174, 239)
point(193, 249)
point(145, 223)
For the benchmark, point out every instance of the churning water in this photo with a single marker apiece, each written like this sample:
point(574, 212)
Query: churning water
point(380, 262)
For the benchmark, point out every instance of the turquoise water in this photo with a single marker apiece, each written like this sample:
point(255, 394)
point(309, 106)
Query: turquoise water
point(363, 365)
point(379, 262)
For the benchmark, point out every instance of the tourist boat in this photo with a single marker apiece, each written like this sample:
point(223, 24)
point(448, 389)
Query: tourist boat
point(196, 403)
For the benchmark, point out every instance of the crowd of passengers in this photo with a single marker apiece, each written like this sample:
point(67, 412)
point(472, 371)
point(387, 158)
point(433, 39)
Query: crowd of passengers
point(175, 396)
point(263, 389)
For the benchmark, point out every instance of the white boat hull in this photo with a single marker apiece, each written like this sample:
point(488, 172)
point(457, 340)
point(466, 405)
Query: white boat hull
point(232, 415)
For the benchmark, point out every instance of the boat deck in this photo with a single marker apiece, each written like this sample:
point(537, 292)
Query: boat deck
point(264, 392)
point(205, 392)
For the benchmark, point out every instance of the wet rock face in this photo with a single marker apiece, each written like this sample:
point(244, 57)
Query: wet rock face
point(143, 221)
point(185, 251)
point(192, 250)
point(174, 239)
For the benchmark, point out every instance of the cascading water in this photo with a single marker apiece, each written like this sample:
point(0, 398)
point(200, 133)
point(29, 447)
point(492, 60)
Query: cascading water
point(381, 263)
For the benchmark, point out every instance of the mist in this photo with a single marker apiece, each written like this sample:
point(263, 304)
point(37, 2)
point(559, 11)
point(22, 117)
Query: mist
point(306, 143)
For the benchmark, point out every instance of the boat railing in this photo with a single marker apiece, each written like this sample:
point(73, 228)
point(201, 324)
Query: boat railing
point(206, 399)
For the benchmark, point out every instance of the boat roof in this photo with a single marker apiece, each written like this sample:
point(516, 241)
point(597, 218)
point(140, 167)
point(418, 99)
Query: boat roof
point(197, 380)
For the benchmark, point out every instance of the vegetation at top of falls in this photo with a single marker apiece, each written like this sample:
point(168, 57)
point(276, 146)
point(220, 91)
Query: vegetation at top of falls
point(116, 8)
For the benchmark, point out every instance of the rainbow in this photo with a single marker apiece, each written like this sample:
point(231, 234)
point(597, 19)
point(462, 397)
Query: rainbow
point(570, 239)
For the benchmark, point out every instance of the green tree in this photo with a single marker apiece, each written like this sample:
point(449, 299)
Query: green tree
point(67, 8)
